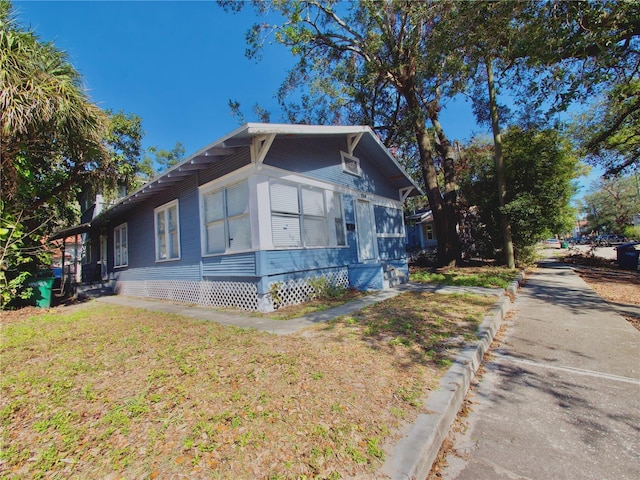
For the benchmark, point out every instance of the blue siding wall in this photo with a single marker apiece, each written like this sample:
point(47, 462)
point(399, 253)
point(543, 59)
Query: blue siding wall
point(391, 248)
point(163, 271)
point(285, 261)
point(140, 223)
point(366, 276)
point(320, 158)
point(388, 220)
point(241, 265)
point(225, 166)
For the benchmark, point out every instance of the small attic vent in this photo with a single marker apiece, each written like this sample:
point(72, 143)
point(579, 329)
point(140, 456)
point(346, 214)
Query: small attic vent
point(350, 164)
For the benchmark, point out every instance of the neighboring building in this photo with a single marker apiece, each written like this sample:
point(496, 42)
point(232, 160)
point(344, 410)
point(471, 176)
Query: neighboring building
point(420, 231)
point(248, 220)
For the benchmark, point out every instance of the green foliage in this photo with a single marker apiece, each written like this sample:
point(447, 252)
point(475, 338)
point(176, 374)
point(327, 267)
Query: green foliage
point(165, 159)
point(21, 255)
point(611, 203)
point(493, 278)
point(631, 232)
point(124, 137)
point(608, 131)
point(323, 289)
point(540, 166)
point(52, 134)
point(275, 291)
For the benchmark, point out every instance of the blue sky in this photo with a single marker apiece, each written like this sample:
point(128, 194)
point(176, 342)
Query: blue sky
point(177, 64)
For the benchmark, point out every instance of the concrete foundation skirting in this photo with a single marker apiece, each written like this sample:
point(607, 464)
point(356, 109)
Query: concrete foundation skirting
point(412, 457)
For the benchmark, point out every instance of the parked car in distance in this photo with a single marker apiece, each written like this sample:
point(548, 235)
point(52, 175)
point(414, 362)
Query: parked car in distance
point(609, 240)
point(552, 243)
point(579, 241)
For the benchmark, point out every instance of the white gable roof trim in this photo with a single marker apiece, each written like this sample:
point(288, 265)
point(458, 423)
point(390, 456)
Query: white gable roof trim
point(244, 137)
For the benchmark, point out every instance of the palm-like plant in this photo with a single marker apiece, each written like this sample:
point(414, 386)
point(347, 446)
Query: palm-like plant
point(52, 140)
point(51, 131)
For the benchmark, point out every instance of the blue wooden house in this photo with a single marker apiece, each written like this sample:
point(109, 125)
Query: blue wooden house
point(420, 230)
point(250, 219)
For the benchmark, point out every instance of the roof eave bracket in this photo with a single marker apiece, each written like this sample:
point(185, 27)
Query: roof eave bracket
point(405, 192)
point(352, 142)
point(260, 146)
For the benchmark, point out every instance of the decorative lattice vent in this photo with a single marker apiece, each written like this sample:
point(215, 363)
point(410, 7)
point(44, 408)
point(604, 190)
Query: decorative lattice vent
point(242, 295)
point(293, 292)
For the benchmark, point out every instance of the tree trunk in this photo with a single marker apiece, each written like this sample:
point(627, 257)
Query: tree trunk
point(443, 219)
point(450, 191)
point(499, 162)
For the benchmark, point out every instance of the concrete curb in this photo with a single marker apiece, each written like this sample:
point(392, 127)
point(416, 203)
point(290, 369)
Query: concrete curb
point(413, 456)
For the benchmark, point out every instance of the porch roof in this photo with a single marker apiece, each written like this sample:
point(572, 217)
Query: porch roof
point(71, 231)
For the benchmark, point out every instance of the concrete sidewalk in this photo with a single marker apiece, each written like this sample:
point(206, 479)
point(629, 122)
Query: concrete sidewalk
point(560, 398)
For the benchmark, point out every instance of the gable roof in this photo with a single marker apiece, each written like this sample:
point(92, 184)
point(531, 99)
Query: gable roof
point(258, 137)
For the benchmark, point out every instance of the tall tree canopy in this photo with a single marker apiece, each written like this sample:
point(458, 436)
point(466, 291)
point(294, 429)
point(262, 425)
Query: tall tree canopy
point(374, 63)
point(52, 134)
point(611, 204)
point(583, 52)
point(55, 141)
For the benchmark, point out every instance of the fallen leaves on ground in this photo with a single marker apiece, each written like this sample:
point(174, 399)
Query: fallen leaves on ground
point(96, 391)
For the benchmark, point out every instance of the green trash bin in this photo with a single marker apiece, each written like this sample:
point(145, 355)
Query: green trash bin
point(564, 244)
point(42, 292)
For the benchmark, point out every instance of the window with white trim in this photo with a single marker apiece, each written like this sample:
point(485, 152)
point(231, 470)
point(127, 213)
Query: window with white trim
point(428, 229)
point(120, 246)
point(299, 216)
point(350, 164)
point(167, 231)
point(285, 215)
point(314, 217)
point(338, 219)
point(227, 225)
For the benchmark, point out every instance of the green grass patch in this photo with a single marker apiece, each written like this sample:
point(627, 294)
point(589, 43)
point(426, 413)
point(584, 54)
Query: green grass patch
point(491, 277)
point(103, 391)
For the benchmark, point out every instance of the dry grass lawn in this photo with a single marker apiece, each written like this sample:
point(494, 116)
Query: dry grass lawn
point(96, 391)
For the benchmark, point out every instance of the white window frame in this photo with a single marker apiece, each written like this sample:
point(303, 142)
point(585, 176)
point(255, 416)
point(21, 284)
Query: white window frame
point(428, 231)
point(338, 219)
point(308, 218)
point(164, 210)
point(298, 216)
point(225, 219)
point(120, 251)
point(346, 159)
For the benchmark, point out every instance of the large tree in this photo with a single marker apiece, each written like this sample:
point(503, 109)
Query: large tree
point(55, 141)
point(572, 53)
point(52, 135)
point(539, 168)
point(373, 62)
point(611, 203)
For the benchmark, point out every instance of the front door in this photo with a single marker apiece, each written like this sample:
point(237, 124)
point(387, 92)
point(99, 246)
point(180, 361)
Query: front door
point(366, 231)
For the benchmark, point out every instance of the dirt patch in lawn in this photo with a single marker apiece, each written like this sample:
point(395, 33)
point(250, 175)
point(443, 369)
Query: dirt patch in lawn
point(96, 391)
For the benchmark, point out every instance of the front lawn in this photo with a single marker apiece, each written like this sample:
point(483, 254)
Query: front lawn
point(492, 277)
point(97, 391)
